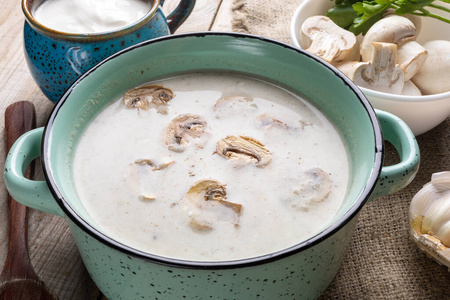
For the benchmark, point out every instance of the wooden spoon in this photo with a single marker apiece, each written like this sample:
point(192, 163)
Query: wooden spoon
point(18, 279)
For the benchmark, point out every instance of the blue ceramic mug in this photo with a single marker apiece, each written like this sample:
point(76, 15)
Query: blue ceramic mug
point(57, 59)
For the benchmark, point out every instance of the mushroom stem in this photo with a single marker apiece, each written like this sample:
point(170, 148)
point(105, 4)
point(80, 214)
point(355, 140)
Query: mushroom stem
point(243, 150)
point(322, 37)
point(381, 73)
point(184, 129)
point(392, 29)
point(410, 57)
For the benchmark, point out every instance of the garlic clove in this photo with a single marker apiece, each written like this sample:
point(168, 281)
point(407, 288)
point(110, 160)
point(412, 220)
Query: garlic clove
point(429, 216)
point(436, 219)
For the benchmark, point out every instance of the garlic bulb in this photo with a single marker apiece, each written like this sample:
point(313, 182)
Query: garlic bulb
point(429, 217)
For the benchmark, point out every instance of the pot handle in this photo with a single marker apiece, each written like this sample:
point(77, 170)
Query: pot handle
point(34, 194)
point(396, 177)
point(180, 14)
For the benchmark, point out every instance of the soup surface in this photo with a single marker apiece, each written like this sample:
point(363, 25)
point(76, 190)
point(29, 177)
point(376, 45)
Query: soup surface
point(211, 167)
point(90, 16)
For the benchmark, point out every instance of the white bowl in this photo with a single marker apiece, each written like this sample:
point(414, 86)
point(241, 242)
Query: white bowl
point(421, 113)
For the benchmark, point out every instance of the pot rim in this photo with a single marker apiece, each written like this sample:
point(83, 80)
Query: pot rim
point(79, 37)
point(230, 264)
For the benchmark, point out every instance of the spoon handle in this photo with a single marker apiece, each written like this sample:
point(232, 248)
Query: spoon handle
point(20, 117)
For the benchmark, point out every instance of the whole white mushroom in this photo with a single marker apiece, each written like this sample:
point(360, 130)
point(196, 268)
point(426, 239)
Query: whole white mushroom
point(402, 32)
point(434, 75)
point(380, 73)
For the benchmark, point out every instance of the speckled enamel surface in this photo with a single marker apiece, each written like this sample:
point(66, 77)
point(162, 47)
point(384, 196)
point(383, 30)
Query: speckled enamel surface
point(392, 178)
point(57, 59)
point(56, 63)
point(302, 276)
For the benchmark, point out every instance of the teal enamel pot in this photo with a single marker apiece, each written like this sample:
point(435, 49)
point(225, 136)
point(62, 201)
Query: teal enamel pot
point(302, 271)
point(57, 59)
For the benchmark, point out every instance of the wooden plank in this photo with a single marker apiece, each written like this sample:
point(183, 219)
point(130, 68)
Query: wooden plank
point(224, 17)
point(52, 249)
point(201, 18)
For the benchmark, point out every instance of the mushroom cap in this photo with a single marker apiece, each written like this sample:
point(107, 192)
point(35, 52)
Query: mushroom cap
point(243, 150)
point(137, 170)
point(230, 105)
point(322, 37)
point(154, 166)
point(267, 121)
point(229, 100)
point(349, 68)
point(416, 20)
point(313, 187)
point(148, 96)
point(392, 29)
point(184, 129)
point(206, 205)
point(434, 75)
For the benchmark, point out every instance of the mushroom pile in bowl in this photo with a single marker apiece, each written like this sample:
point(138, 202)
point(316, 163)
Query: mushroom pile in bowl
point(402, 63)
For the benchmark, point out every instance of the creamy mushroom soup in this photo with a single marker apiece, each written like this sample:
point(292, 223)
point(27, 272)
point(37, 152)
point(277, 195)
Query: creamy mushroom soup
point(211, 167)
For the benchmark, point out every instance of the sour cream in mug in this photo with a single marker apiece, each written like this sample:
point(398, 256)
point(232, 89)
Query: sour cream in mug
point(90, 16)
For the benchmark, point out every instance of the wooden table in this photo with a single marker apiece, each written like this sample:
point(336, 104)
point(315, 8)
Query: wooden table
point(52, 249)
point(56, 258)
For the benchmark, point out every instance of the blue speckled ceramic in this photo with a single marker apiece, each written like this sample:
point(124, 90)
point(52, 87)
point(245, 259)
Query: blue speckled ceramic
point(299, 272)
point(56, 59)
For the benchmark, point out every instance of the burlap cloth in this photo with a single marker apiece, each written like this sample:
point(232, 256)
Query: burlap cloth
point(382, 262)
